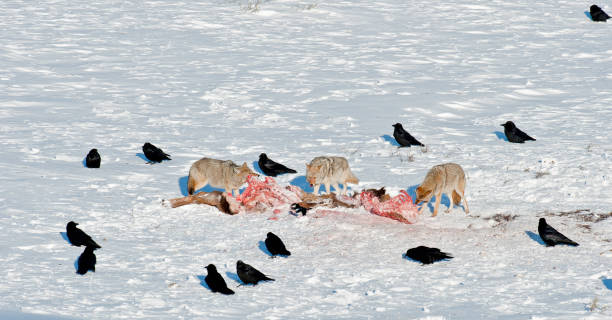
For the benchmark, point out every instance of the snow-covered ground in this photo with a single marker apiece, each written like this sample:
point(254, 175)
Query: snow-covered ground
point(299, 79)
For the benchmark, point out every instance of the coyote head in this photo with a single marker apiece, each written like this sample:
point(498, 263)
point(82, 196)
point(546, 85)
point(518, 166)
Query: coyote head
point(312, 171)
point(423, 195)
point(244, 171)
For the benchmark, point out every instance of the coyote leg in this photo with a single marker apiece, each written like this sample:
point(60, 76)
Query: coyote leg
point(328, 188)
point(451, 205)
point(467, 210)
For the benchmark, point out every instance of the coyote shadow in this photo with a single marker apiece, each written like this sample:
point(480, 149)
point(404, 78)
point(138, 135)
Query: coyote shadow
point(183, 181)
point(412, 192)
point(535, 237)
point(390, 140)
point(444, 202)
point(501, 136)
point(300, 181)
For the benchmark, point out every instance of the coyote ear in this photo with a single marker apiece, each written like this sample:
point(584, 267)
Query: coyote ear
point(308, 165)
point(244, 165)
point(425, 193)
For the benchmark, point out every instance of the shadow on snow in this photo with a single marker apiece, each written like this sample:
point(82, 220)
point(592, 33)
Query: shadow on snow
point(535, 237)
point(203, 281)
point(607, 283)
point(257, 168)
point(182, 182)
point(390, 140)
point(262, 247)
point(234, 276)
point(501, 136)
point(143, 157)
point(302, 183)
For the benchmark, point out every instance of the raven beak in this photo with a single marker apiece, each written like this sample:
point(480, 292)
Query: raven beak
point(501, 125)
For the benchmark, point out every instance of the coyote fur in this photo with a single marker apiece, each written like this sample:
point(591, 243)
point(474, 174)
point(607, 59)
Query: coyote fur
point(446, 178)
point(219, 174)
point(329, 171)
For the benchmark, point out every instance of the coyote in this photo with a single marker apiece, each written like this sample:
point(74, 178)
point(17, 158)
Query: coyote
point(448, 178)
point(328, 171)
point(219, 174)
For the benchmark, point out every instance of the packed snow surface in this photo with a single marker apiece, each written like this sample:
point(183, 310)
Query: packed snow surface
point(296, 80)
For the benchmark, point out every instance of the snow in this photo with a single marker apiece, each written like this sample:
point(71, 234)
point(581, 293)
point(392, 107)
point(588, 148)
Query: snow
point(300, 79)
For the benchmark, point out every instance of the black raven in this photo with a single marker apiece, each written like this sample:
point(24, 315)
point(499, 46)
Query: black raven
point(250, 275)
point(215, 281)
point(515, 134)
point(154, 154)
point(551, 236)
point(79, 238)
point(403, 137)
point(427, 255)
point(276, 246)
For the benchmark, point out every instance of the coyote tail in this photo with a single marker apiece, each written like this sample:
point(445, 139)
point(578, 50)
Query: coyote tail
point(190, 185)
point(456, 198)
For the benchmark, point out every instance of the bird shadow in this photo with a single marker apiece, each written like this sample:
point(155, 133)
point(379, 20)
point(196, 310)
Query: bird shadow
point(535, 237)
point(257, 168)
point(588, 14)
point(65, 236)
point(262, 247)
point(501, 136)
point(391, 140)
point(404, 256)
point(607, 283)
point(203, 281)
point(76, 264)
point(84, 162)
point(143, 157)
point(234, 276)
point(302, 183)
